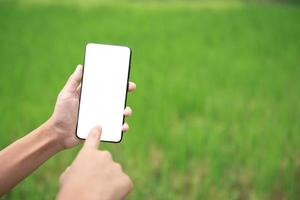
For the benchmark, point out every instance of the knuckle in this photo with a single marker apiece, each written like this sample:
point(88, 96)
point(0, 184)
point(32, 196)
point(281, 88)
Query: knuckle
point(118, 167)
point(127, 182)
point(107, 154)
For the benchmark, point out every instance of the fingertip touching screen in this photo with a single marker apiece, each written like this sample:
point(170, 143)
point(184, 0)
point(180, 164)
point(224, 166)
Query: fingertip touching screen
point(104, 90)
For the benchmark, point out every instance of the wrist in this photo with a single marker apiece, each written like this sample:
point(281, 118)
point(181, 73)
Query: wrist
point(51, 134)
point(73, 193)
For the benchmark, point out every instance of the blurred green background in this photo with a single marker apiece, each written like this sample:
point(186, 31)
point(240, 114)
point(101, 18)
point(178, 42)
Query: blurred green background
point(216, 112)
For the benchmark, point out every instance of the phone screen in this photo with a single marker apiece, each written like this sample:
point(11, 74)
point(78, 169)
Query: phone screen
point(104, 90)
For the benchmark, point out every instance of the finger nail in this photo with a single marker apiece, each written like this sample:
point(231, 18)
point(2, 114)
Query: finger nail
point(97, 132)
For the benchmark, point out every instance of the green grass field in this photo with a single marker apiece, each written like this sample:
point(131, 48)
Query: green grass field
point(216, 112)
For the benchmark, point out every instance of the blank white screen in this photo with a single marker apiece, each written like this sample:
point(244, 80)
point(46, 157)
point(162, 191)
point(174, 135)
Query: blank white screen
point(103, 92)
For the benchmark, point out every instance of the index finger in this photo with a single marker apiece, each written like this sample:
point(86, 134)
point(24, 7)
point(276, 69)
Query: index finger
point(93, 139)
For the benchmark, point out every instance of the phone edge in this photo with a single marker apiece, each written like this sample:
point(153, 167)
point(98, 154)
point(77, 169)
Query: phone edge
point(125, 103)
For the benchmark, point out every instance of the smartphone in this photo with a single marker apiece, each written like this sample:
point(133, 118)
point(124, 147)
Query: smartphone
point(104, 90)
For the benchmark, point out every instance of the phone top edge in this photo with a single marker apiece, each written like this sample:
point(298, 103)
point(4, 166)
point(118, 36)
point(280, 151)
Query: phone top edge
point(112, 45)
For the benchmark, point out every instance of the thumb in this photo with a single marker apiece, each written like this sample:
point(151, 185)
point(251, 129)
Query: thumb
point(74, 79)
point(93, 139)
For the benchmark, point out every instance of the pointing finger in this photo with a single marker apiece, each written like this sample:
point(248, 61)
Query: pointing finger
point(93, 139)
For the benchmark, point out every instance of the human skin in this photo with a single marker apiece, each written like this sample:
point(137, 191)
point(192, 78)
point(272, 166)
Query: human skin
point(106, 179)
point(22, 157)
